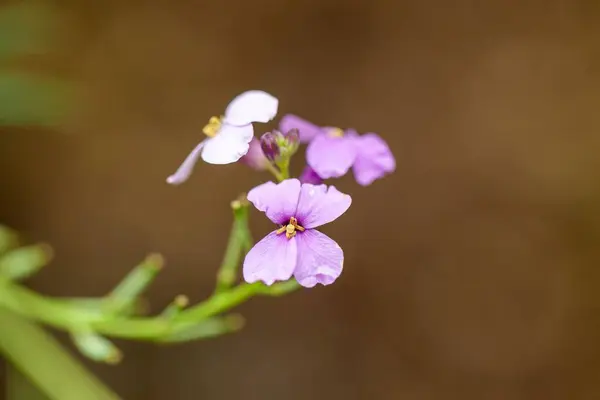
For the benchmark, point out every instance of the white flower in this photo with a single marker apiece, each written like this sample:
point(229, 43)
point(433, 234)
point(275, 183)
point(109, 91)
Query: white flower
point(229, 136)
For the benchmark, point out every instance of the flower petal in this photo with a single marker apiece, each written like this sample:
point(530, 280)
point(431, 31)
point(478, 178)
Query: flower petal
point(251, 106)
point(310, 176)
point(255, 157)
point(320, 259)
point(307, 130)
point(187, 166)
point(229, 145)
point(331, 157)
point(350, 132)
point(272, 259)
point(374, 159)
point(262, 195)
point(278, 201)
point(319, 205)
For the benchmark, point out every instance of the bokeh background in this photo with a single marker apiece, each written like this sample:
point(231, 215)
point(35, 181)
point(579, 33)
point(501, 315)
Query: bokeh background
point(471, 273)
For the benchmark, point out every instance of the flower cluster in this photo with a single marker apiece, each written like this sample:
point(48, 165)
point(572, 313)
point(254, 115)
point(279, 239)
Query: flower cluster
point(297, 206)
point(331, 152)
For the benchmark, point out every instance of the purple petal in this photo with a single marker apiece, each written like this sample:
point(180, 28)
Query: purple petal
point(331, 157)
point(260, 195)
point(374, 159)
point(320, 259)
point(307, 130)
point(319, 205)
point(277, 201)
point(255, 158)
point(310, 176)
point(351, 133)
point(185, 169)
point(272, 259)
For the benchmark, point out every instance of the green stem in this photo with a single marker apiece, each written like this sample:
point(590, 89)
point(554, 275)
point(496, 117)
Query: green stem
point(238, 242)
point(123, 297)
point(18, 387)
point(284, 167)
point(42, 359)
point(65, 316)
point(272, 169)
point(81, 317)
point(227, 300)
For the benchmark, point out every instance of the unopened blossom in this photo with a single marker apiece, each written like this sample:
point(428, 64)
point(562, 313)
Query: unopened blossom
point(269, 146)
point(296, 248)
point(277, 145)
point(228, 137)
point(331, 152)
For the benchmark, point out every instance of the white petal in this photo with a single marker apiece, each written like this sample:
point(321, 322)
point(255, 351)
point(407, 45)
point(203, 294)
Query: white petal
point(229, 145)
point(251, 106)
point(185, 169)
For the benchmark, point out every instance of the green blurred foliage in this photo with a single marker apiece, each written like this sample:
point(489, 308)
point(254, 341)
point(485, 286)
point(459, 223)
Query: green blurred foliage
point(24, 262)
point(27, 99)
point(27, 28)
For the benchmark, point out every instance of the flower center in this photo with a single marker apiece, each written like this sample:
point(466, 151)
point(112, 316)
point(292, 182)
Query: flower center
point(290, 228)
point(213, 126)
point(336, 132)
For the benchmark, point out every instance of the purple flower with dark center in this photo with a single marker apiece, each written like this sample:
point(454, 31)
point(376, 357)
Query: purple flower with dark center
point(295, 248)
point(332, 151)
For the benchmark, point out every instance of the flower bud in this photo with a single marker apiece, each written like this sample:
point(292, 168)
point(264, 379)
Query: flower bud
point(279, 146)
point(292, 137)
point(269, 142)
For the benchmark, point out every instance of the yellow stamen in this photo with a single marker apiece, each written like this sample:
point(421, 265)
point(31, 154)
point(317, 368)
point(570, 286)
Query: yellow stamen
point(213, 126)
point(336, 132)
point(290, 229)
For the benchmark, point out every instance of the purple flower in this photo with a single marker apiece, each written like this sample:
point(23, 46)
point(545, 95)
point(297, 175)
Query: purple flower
point(332, 152)
point(310, 176)
point(255, 158)
point(296, 248)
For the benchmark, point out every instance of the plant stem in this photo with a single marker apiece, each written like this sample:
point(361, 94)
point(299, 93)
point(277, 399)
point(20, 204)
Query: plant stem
point(79, 317)
point(284, 167)
point(224, 301)
point(272, 169)
point(43, 360)
point(238, 239)
point(18, 387)
point(66, 316)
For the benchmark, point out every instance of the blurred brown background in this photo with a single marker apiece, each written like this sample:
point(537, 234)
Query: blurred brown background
point(471, 273)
